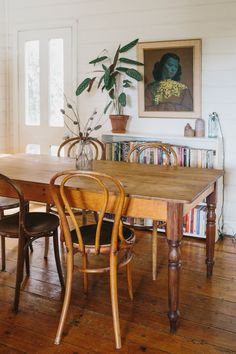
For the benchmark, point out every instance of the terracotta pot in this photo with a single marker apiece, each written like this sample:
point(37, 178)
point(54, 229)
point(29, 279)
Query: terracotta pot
point(118, 123)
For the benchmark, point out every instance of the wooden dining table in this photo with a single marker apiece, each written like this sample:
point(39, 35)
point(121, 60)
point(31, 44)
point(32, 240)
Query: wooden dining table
point(152, 191)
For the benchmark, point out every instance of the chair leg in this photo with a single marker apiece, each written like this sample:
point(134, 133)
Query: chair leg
point(84, 217)
point(27, 266)
point(57, 258)
point(95, 215)
point(62, 237)
point(85, 265)
point(114, 299)
point(154, 250)
point(129, 280)
point(67, 297)
point(19, 273)
point(46, 247)
point(3, 252)
point(46, 242)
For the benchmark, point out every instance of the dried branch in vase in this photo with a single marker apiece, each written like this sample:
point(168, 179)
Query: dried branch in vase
point(76, 127)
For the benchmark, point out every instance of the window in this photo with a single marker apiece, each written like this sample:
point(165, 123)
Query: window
point(45, 72)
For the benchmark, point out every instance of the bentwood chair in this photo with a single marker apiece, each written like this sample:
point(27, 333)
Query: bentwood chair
point(68, 148)
point(161, 154)
point(7, 204)
point(104, 238)
point(26, 227)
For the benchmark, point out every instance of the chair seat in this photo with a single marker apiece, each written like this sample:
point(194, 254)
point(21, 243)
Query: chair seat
point(8, 203)
point(89, 231)
point(35, 222)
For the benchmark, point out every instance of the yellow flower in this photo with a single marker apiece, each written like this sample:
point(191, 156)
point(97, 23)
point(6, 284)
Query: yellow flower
point(168, 88)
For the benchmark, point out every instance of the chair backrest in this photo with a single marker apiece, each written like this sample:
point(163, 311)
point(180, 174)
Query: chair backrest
point(111, 198)
point(69, 147)
point(167, 157)
point(16, 193)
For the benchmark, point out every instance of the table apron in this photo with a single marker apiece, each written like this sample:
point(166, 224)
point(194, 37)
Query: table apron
point(134, 206)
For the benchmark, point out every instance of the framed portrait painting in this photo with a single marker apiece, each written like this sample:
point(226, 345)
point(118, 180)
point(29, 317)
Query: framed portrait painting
point(171, 87)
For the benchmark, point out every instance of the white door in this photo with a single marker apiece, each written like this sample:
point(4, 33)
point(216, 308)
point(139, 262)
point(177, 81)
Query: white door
point(45, 76)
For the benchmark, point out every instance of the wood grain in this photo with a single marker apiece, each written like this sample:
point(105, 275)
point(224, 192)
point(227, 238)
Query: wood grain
point(208, 326)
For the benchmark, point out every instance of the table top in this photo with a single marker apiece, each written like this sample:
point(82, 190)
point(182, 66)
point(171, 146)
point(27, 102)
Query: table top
point(177, 184)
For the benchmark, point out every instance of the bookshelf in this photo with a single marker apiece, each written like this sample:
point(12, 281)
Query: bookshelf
point(193, 152)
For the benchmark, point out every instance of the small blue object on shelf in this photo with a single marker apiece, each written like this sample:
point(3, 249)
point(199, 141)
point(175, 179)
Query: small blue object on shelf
point(213, 125)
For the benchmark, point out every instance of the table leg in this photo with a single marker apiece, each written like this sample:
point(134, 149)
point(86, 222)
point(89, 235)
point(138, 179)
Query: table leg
point(210, 232)
point(174, 235)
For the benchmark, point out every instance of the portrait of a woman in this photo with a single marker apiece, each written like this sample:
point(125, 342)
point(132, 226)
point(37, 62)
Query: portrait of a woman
point(167, 92)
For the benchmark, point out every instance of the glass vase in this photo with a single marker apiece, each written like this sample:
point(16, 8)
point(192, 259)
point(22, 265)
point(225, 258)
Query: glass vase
point(213, 125)
point(84, 156)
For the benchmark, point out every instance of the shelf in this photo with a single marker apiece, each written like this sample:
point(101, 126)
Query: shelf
point(215, 145)
point(194, 142)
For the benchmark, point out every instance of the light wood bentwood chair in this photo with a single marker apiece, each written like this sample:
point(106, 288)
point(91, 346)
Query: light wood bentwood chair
point(167, 157)
point(27, 227)
point(110, 239)
point(68, 148)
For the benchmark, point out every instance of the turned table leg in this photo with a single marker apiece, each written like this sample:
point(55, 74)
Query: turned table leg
point(210, 232)
point(174, 235)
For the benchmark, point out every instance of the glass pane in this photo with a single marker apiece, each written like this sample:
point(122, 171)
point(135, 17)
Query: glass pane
point(56, 82)
point(32, 83)
point(53, 150)
point(32, 149)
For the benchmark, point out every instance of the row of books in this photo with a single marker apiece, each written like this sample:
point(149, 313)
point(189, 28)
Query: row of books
point(194, 223)
point(186, 156)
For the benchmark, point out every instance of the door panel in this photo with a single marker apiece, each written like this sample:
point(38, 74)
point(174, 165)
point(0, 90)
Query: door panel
point(45, 62)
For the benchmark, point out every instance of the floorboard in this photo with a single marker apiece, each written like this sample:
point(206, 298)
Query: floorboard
point(208, 307)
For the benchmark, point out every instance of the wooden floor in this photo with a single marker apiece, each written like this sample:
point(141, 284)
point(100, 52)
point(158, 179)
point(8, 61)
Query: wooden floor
point(208, 307)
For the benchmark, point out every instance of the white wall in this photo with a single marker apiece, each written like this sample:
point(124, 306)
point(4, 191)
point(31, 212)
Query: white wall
point(3, 78)
point(106, 23)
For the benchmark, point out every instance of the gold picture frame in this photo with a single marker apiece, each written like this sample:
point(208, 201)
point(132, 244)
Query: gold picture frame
point(173, 92)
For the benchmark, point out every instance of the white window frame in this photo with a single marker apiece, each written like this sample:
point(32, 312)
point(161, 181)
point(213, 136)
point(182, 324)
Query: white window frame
point(15, 121)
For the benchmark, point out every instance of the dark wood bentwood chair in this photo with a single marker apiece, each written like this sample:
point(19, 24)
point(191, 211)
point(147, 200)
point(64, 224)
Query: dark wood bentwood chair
point(68, 148)
point(168, 157)
point(7, 204)
point(27, 227)
point(101, 238)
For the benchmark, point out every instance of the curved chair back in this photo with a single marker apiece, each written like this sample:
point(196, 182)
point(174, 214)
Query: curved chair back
point(169, 156)
point(112, 197)
point(69, 145)
point(17, 194)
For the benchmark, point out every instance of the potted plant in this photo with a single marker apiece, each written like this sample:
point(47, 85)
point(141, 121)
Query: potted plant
point(113, 77)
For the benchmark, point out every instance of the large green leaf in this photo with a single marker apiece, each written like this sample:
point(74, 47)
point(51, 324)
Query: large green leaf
point(106, 77)
point(127, 83)
point(83, 86)
point(130, 61)
point(111, 83)
point(122, 99)
point(106, 108)
point(128, 46)
point(98, 60)
point(134, 74)
point(122, 69)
